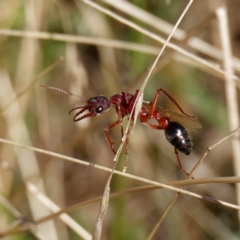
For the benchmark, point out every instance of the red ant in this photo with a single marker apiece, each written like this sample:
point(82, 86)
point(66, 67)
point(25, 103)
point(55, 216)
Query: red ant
point(123, 102)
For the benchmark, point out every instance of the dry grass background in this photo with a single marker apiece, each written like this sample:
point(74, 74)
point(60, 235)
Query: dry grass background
point(73, 46)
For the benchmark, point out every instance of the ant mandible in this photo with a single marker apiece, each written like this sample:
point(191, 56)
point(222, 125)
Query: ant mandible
point(173, 124)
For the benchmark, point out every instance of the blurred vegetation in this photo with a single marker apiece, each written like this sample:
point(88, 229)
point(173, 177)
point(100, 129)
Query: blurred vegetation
point(90, 70)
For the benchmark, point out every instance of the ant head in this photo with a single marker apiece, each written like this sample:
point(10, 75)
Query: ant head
point(95, 106)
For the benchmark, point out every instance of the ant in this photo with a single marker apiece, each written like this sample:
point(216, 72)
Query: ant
point(173, 124)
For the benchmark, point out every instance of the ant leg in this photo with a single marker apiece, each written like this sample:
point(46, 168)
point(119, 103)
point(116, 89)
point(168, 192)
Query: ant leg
point(118, 122)
point(179, 163)
point(135, 95)
point(110, 143)
point(128, 133)
point(171, 98)
point(120, 118)
point(127, 147)
point(133, 101)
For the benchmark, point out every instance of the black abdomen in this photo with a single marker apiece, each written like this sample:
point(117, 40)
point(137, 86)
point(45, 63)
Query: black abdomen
point(179, 137)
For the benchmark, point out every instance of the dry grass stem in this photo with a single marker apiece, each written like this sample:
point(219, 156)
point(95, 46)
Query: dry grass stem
point(173, 200)
point(27, 88)
point(74, 160)
point(81, 39)
point(139, 98)
point(159, 39)
point(20, 227)
point(109, 47)
point(231, 91)
point(165, 27)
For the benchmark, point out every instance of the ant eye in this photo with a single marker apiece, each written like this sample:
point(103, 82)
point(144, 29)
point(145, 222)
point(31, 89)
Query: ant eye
point(99, 109)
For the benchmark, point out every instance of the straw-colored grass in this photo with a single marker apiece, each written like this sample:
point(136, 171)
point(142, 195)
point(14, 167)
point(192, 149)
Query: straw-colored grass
point(59, 179)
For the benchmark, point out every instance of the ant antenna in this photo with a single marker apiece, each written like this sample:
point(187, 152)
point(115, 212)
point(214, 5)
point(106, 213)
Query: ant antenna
point(62, 91)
